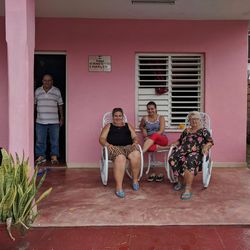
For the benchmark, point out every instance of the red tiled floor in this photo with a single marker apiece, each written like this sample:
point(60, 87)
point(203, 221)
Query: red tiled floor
point(131, 238)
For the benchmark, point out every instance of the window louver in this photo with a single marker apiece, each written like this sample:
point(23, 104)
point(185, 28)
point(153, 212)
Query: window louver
point(173, 81)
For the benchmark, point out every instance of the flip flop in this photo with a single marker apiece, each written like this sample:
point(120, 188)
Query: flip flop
point(120, 194)
point(135, 186)
point(186, 196)
point(178, 186)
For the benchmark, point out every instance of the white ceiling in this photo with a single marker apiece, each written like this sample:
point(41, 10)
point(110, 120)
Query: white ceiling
point(183, 9)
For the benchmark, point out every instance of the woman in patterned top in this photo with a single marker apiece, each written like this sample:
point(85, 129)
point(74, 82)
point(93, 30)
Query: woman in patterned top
point(186, 158)
point(121, 140)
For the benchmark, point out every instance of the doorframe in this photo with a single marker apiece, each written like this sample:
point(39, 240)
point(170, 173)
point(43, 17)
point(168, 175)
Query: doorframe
point(66, 96)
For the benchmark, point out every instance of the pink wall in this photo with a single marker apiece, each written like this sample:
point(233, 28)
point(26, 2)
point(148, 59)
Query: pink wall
point(4, 131)
point(89, 94)
point(20, 37)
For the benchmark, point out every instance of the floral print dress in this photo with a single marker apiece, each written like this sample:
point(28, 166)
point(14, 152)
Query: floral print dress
point(188, 155)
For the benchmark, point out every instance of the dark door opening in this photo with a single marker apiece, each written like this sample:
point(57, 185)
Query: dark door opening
point(55, 65)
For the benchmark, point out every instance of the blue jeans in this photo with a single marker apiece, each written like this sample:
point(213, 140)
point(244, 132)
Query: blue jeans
point(42, 130)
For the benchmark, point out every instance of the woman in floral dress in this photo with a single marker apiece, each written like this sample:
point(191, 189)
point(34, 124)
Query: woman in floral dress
point(186, 158)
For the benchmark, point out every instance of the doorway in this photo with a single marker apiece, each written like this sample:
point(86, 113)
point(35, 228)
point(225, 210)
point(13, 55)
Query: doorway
point(55, 65)
point(248, 105)
point(248, 119)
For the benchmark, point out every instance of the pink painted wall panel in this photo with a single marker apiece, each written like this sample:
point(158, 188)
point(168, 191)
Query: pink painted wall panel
point(3, 88)
point(226, 85)
point(20, 37)
point(89, 94)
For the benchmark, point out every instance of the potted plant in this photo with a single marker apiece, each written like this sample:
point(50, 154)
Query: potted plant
point(18, 192)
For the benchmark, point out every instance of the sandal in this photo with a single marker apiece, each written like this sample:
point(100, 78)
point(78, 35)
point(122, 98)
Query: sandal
point(152, 177)
point(135, 186)
point(120, 194)
point(186, 196)
point(178, 186)
point(159, 178)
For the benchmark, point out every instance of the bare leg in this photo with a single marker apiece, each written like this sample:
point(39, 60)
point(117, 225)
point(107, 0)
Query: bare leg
point(147, 144)
point(135, 161)
point(188, 180)
point(180, 179)
point(159, 147)
point(119, 170)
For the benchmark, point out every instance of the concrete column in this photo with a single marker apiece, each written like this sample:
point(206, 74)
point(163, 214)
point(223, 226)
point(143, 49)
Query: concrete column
point(20, 37)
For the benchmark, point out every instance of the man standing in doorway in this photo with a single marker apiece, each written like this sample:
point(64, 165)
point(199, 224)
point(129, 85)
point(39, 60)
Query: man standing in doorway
point(48, 101)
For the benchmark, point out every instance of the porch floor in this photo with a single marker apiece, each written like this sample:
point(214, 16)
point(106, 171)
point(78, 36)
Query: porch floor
point(79, 199)
point(81, 213)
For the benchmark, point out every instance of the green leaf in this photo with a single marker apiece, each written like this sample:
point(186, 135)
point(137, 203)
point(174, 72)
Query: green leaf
point(43, 195)
point(18, 190)
point(41, 180)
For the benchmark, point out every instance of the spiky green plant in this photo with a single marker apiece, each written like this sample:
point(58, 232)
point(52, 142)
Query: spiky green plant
point(18, 192)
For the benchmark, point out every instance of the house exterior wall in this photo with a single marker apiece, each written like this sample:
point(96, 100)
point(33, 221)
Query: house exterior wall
point(4, 117)
point(20, 37)
point(90, 94)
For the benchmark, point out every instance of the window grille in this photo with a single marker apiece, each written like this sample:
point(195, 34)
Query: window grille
point(173, 81)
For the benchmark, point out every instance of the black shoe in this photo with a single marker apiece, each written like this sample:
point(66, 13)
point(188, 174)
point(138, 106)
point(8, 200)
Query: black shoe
point(152, 177)
point(159, 178)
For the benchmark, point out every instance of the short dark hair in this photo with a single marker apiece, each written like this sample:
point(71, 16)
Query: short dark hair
point(152, 103)
point(117, 110)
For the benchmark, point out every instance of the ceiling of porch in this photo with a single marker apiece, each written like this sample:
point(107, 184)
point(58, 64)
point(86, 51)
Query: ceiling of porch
point(124, 9)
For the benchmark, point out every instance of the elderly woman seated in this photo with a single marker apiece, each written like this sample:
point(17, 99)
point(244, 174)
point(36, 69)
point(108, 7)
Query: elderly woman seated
point(121, 141)
point(186, 158)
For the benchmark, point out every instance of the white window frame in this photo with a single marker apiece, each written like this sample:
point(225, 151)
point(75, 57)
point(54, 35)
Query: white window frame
point(166, 97)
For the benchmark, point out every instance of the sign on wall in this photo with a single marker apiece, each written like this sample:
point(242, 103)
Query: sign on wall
point(100, 63)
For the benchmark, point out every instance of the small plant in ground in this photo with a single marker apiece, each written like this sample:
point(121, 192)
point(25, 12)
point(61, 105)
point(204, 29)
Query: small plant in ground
point(18, 191)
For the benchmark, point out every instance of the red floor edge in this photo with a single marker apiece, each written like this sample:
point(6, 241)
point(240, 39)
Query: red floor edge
point(130, 238)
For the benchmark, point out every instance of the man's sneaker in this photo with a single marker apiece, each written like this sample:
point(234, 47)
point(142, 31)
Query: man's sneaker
point(40, 160)
point(54, 159)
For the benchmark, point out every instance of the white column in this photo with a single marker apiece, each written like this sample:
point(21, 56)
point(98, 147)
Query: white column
point(20, 37)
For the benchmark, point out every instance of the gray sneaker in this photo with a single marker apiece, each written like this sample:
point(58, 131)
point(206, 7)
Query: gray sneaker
point(178, 186)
